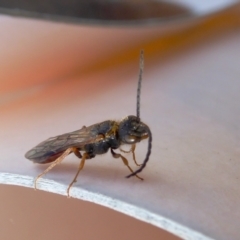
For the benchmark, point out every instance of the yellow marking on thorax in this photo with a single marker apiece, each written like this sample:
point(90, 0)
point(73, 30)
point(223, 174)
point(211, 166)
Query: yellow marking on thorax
point(113, 130)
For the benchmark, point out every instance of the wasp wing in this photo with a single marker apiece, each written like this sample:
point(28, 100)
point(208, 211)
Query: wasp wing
point(52, 148)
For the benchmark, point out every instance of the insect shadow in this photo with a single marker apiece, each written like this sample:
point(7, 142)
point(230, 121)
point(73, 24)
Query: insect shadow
point(96, 139)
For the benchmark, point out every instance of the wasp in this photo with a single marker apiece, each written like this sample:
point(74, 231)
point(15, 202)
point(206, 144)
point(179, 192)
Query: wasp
point(96, 139)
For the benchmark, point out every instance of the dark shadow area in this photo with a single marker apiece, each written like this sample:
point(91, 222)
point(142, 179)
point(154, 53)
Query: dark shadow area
point(101, 12)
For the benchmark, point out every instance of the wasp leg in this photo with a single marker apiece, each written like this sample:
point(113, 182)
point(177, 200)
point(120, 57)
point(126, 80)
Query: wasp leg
point(77, 153)
point(81, 165)
point(125, 161)
point(57, 161)
point(133, 147)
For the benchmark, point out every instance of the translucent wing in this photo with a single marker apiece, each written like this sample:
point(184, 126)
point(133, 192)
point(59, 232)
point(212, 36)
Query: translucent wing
point(50, 149)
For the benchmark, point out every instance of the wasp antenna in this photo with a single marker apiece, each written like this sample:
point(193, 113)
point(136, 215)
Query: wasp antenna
point(147, 155)
point(139, 82)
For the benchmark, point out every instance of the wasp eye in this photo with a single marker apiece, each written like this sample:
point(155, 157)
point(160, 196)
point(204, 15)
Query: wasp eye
point(135, 126)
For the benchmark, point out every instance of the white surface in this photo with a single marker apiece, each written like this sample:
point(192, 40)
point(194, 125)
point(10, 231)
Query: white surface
point(190, 102)
point(103, 200)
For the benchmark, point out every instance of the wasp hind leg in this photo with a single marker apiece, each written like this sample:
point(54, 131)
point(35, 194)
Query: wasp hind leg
point(125, 161)
point(56, 162)
point(132, 150)
point(81, 165)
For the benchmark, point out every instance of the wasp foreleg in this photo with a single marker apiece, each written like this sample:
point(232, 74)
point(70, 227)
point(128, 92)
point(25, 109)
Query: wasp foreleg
point(56, 162)
point(125, 161)
point(132, 149)
point(81, 165)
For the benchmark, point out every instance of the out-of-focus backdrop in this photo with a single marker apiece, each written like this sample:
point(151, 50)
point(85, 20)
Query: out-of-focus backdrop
point(56, 76)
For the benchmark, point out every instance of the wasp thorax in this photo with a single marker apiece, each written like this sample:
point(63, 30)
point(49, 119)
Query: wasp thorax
point(131, 130)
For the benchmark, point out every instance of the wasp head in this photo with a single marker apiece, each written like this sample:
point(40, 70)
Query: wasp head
point(131, 130)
